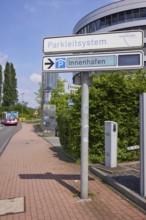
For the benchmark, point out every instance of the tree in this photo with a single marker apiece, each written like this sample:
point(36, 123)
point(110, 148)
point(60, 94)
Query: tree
point(1, 81)
point(10, 93)
point(14, 85)
point(59, 97)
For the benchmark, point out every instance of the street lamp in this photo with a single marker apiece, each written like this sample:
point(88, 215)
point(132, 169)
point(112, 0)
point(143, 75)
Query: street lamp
point(22, 103)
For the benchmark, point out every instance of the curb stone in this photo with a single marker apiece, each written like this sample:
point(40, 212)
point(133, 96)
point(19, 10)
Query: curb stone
point(134, 197)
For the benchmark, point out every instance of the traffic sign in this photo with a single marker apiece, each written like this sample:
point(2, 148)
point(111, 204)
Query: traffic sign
point(94, 42)
point(90, 62)
point(135, 147)
point(36, 113)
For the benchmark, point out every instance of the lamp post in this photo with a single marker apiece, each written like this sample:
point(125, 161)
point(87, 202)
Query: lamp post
point(22, 103)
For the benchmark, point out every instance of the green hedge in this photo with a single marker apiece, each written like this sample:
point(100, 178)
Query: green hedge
point(113, 97)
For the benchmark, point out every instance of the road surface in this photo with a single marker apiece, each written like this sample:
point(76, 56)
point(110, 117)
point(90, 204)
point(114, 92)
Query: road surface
point(6, 132)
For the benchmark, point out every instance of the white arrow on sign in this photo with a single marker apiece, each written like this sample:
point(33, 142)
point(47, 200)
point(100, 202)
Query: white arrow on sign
point(90, 62)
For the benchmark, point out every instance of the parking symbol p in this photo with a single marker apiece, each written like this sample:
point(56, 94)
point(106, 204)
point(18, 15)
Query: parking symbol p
point(60, 63)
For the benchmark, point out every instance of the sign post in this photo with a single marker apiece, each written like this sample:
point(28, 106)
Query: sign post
point(84, 135)
point(143, 144)
point(85, 63)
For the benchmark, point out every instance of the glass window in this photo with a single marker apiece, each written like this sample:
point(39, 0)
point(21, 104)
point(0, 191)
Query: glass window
point(86, 29)
point(121, 16)
point(142, 12)
point(92, 27)
point(115, 18)
point(102, 22)
point(135, 13)
point(97, 24)
point(108, 20)
point(81, 31)
point(128, 15)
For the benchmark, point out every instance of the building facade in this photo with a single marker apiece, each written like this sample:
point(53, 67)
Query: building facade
point(118, 16)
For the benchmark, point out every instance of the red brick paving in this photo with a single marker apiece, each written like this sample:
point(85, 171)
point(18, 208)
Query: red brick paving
point(32, 168)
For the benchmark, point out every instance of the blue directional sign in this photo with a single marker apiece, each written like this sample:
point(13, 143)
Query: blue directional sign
point(94, 62)
point(70, 103)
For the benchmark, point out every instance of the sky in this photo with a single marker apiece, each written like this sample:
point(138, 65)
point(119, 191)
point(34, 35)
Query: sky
point(23, 26)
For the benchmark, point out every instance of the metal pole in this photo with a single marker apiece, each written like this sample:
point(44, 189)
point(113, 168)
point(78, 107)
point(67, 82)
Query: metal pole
point(22, 104)
point(84, 135)
point(143, 144)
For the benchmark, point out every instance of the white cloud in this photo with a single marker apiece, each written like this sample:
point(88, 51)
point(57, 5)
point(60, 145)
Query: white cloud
point(36, 78)
point(54, 3)
point(116, 0)
point(29, 8)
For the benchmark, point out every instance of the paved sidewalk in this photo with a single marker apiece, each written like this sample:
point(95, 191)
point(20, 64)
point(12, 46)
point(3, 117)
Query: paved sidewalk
point(32, 168)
